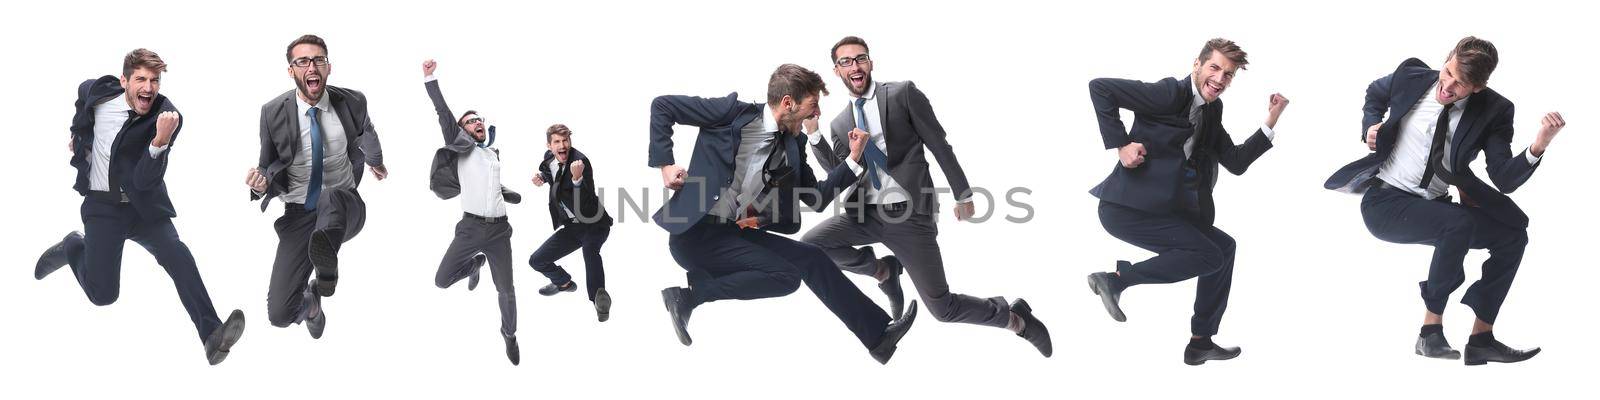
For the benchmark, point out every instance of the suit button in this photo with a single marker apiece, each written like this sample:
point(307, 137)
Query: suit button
point(716, 197)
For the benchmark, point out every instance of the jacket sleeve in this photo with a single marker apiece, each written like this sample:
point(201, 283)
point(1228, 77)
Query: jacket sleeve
point(1109, 95)
point(268, 156)
point(369, 135)
point(1508, 170)
point(839, 178)
point(666, 111)
point(447, 120)
point(150, 172)
point(1377, 104)
point(933, 137)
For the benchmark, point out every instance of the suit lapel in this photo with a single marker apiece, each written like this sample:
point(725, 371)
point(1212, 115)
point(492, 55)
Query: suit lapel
point(1467, 127)
point(346, 119)
point(290, 111)
point(881, 96)
point(1412, 88)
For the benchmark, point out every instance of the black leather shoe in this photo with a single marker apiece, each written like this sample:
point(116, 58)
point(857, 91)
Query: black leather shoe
point(477, 266)
point(678, 304)
point(325, 258)
point(55, 257)
point(893, 333)
point(512, 351)
point(221, 340)
point(317, 318)
point(1497, 352)
point(1100, 283)
point(891, 287)
point(602, 304)
point(1194, 356)
point(553, 289)
point(1032, 330)
point(1434, 346)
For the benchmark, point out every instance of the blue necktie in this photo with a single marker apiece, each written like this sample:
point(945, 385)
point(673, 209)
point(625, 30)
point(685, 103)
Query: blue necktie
point(315, 188)
point(875, 158)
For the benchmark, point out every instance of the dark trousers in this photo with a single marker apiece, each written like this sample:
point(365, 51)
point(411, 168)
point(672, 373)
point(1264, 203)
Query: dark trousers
point(1184, 249)
point(566, 240)
point(726, 262)
point(492, 239)
point(1452, 229)
point(96, 260)
point(340, 214)
point(913, 238)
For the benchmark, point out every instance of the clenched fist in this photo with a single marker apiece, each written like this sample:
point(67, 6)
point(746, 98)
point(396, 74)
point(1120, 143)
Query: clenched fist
point(1372, 136)
point(858, 143)
point(1275, 105)
point(166, 125)
point(577, 170)
point(1132, 155)
point(1548, 128)
point(428, 67)
point(672, 177)
point(538, 179)
point(256, 181)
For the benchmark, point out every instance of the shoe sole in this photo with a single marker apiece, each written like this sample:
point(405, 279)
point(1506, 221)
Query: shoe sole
point(672, 312)
point(1472, 362)
point(1203, 361)
point(230, 335)
point(602, 306)
point(1105, 300)
point(1453, 355)
point(326, 261)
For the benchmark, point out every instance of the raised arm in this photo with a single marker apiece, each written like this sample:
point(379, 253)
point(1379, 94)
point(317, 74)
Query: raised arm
point(447, 119)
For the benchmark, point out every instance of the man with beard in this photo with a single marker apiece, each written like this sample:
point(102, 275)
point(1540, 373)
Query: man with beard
point(1158, 197)
point(578, 217)
point(1423, 147)
point(469, 166)
point(895, 203)
point(120, 150)
point(313, 141)
point(747, 172)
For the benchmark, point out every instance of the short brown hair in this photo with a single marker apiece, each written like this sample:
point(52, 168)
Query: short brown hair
point(794, 81)
point(848, 40)
point(1228, 48)
point(142, 58)
point(1475, 60)
point(288, 54)
point(557, 130)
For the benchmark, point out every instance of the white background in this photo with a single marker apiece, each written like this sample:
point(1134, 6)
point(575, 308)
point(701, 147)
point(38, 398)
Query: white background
point(1321, 307)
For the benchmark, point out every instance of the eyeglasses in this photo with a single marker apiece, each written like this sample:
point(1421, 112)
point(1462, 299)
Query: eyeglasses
point(847, 62)
point(305, 62)
point(475, 119)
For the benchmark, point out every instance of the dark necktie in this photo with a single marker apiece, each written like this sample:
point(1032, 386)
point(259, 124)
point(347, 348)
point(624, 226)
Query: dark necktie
point(1436, 151)
point(875, 158)
point(314, 189)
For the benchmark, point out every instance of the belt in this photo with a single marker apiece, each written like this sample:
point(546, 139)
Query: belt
point(109, 197)
point(486, 220)
point(1380, 184)
point(893, 208)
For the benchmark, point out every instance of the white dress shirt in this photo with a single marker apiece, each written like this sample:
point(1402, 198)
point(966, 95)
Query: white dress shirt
point(109, 117)
point(336, 172)
point(1406, 163)
point(479, 173)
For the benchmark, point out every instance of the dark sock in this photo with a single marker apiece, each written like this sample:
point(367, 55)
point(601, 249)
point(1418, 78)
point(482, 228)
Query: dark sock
point(1482, 339)
point(1431, 329)
point(1201, 343)
point(1115, 281)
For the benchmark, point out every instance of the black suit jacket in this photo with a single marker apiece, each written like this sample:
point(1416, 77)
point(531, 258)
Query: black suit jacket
point(132, 170)
point(1485, 127)
point(581, 199)
point(910, 126)
point(711, 167)
point(444, 179)
point(280, 138)
point(1161, 123)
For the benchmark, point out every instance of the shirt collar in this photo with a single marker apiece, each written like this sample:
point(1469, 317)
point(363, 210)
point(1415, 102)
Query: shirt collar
point(769, 123)
point(872, 90)
point(322, 104)
point(1195, 90)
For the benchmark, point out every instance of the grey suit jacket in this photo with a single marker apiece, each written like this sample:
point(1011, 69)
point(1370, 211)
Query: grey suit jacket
point(280, 138)
point(443, 179)
point(910, 126)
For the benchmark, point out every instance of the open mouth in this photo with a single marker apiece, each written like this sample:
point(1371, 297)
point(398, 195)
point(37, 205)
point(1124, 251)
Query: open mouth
point(1215, 88)
point(858, 79)
point(480, 131)
point(313, 83)
point(143, 101)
